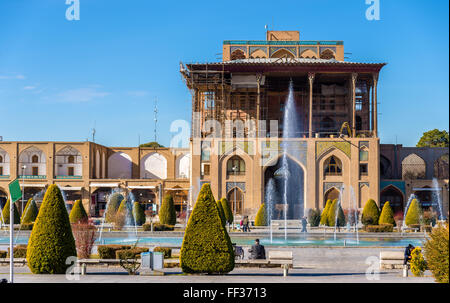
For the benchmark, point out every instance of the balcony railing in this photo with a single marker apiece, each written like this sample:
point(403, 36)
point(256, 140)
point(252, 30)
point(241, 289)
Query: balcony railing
point(38, 177)
point(68, 177)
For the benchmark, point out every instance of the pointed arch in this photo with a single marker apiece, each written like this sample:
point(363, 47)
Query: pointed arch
point(235, 166)
point(68, 162)
point(331, 194)
point(154, 166)
point(413, 167)
point(283, 53)
point(183, 163)
point(237, 54)
point(395, 197)
point(327, 54)
point(332, 166)
point(441, 167)
point(120, 166)
point(34, 161)
point(235, 197)
point(4, 163)
point(308, 54)
point(258, 54)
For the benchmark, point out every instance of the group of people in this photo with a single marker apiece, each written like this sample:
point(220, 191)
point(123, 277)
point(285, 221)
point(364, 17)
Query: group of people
point(245, 224)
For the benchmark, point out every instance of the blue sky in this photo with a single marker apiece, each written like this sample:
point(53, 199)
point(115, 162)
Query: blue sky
point(59, 78)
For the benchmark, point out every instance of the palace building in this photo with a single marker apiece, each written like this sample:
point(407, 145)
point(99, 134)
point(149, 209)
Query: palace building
point(238, 141)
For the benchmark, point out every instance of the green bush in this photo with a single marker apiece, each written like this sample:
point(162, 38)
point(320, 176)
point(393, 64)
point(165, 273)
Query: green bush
point(261, 216)
point(387, 215)
point(138, 214)
point(436, 253)
point(206, 245)
point(20, 251)
point(109, 251)
point(157, 227)
point(51, 242)
point(418, 264)
point(221, 213)
point(370, 213)
point(26, 226)
point(314, 217)
point(30, 212)
point(3, 254)
point(166, 250)
point(78, 214)
point(324, 216)
point(167, 214)
point(125, 209)
point(332, 220)
point(5, 213)
point(227, 210)
point(130, 253)
point(414, 214)
point(382, 228)
point(111, 208)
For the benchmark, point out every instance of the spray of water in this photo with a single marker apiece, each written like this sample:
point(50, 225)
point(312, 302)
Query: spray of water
point(270, 194)
point(437, 198)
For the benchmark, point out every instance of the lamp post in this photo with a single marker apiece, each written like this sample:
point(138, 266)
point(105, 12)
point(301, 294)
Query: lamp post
point(23, 185)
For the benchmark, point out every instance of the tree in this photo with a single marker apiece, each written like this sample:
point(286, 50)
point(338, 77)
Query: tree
point(78, 214)
point(5, 213)
point(51, 241)
point(335, 209)
point(138, 214)
point(227, 210)
point(221, 213)
point(167, 214)
point(387, 215)
point(434, 138)
point(30, 213)
point(370, 213)
point(414, 213)
point(151, 144)
point(314, 217)
point(436, 253)
point(261, 216)
point(418, 264)
point(111, 207)
point(206, 244)
point(324, 216)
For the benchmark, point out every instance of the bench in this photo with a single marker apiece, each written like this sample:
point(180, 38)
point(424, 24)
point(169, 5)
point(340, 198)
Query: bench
point(275, 259)
point(391, 259)
point(17, 261)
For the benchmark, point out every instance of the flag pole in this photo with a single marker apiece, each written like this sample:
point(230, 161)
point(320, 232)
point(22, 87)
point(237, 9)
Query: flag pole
point(11, 240)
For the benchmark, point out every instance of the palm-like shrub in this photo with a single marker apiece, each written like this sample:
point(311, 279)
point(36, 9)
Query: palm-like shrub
point(261, 216)
point(167, 214)
point(314, 217)
point(206, 245)
point(221, 213)
point(138, 214)
point(414, 214)
point(51, 241)
point(324, 216)
point(30, 213)
point(5, 213)
point(227, 210)
point(418, 264)
point(78, 214)
point(387, 215)
point(370, 213)
point(335, 214)
point(436, 253)
point(111, 208)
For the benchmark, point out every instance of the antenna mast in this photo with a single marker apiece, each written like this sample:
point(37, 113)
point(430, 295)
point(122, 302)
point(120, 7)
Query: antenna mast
point(93, 133)
point(156, 116)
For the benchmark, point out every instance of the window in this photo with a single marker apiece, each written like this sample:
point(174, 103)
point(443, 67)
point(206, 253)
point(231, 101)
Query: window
point(1, 171)
point(71, 159)
point(363, 169)
point(35, 159)
point(1, 159)
point(70, 171)
point(235, 166)
point(206, 169)
point(35, 170)
point(363, 155)
point(333, 166)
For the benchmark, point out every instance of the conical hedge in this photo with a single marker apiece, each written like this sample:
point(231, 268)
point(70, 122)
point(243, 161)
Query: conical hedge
point(221, 213)
point(51, 241)
point(324, 216)
point(138, 214)
point(387, 214)
point(167, 214)
point(261, 216)
point(206, 245)
point(370, 213)
point(227, 210)
point(112, 206)
point(30, 212)
point(414, 214)
point(127, 209)
point(5, 213)
point(78, 214)
point(335, 206)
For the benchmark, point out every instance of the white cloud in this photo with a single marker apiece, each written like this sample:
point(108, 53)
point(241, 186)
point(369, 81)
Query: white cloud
point(81, 94)
point(9, 77)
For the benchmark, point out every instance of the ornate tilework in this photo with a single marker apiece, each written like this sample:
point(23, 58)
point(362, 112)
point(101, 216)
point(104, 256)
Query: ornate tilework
point(272, 50)
point(227, 146)
point(242, 48)
point(305, 48)
point(240, 185)
point(322, 48)
point(361, 184)
point(255, 48)
point(328, 185)
point(322, 146)
point(271, 150)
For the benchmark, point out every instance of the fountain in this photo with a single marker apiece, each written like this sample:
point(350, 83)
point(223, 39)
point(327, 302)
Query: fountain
point(411, 197)
point(102, 223)
point(270, 191)
point(356, 217)
point(336, 212)
point(437, 198)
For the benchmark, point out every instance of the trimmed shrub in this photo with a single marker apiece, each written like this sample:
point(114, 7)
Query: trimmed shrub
point(167, 214)
point(78, 214)
point(206, 245)
point(436, 253)
point(30, 212)
point(324, 216)
point(138, 214)
point(221, 213)
point(26, 226)
point(227, 210)
point(124, 212)
point(3, 254)
point(314, 217)
point(51, 241)
point(261, 216)
point(335, 208)
point(109, 251)
point(5, 213)
point(20, 251)
point(414, 214)
point(387, 215)
point(382, 228)
point(111, 208)
point(418, 264)
point(130, 253)
point(370, 213)
point(158, 227)
point(166, 250)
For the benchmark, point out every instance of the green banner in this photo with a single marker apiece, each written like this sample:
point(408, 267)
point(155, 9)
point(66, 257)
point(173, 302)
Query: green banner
point(15, 191)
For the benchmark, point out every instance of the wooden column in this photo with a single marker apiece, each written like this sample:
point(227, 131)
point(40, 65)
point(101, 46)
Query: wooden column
point(371, 107)
point(311, 77)
point(354, 77)
point(258, 103)
point(374, 100)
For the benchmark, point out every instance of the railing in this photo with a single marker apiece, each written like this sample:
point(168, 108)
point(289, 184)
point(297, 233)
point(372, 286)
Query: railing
point(40, 177)
point(4, 177)
point(68, 177)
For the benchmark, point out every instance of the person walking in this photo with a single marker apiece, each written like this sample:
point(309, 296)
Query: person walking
point(304, 224)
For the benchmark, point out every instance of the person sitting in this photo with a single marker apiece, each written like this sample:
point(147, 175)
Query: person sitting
point(408, 252)
point(257, 251)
